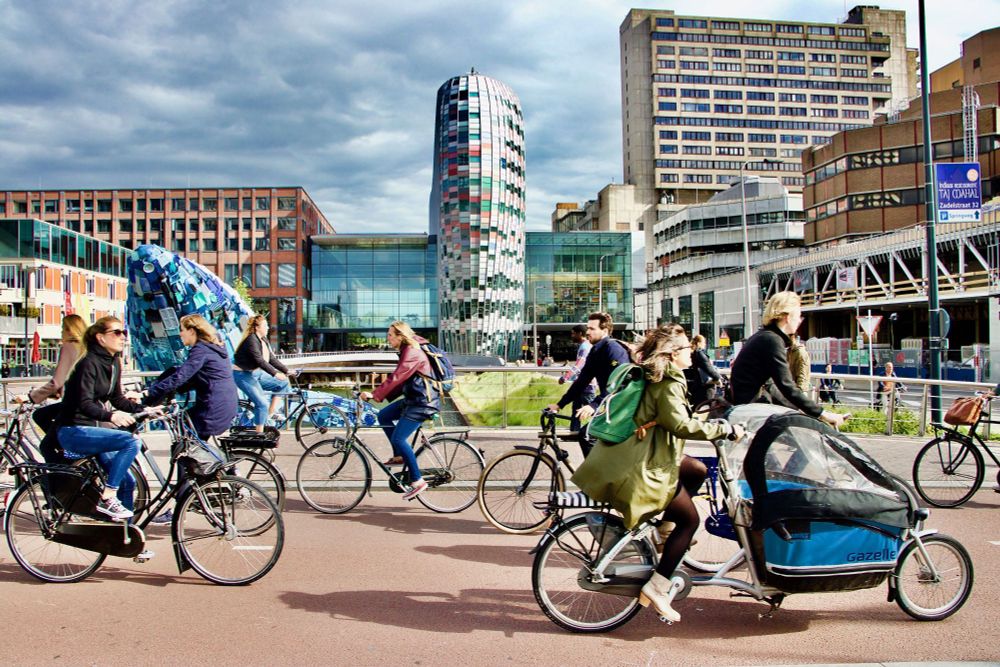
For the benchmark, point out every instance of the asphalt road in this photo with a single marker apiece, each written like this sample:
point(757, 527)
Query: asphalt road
point(392, 582)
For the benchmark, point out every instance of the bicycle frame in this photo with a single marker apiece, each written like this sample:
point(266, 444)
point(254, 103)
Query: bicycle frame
point(546, 439)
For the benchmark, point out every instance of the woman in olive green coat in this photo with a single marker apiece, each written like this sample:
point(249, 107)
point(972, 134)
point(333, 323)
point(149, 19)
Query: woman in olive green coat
point(648, 473)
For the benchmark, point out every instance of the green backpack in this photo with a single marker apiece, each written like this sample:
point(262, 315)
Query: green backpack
point(613, 421)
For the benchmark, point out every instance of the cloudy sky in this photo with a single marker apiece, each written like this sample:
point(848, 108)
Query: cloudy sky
point(336, 96)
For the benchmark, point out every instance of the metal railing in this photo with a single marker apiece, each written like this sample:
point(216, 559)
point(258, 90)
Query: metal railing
point(502, 397)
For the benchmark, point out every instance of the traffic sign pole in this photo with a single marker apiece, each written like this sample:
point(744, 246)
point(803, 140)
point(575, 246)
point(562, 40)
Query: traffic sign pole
point(929, 192)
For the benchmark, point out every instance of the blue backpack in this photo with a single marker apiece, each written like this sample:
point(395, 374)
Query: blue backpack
point(441, 367)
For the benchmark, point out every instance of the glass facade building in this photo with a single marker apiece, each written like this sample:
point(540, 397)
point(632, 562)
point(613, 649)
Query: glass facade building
point(34, 239)
point(477, 214)
point(361, 283)
point(572, 274)
point(47, 272)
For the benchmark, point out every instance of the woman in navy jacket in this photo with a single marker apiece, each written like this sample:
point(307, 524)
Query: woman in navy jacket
point(208, 372)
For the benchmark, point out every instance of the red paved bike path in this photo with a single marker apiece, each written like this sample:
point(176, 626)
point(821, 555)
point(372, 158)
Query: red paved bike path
point(394, 583)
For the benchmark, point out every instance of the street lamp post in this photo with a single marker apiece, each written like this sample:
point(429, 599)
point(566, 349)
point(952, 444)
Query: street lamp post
point(600, 283)
point(748, 310)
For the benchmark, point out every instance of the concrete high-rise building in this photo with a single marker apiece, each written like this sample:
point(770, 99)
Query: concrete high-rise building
point(477, 213)
point(704, 98)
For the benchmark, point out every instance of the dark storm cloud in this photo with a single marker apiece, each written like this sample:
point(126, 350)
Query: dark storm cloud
point(335, 96)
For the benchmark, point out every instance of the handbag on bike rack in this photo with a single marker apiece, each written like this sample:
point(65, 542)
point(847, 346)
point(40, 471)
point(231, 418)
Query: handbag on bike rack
point(965, 411)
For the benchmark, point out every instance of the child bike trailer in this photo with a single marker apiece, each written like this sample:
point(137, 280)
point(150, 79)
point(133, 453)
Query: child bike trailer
point(825, 515)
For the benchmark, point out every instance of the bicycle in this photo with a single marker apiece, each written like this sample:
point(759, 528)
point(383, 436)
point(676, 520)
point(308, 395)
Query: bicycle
point(226, 528)
point(334, 475)
point(588, 570)
point(21, 445)
point(517, 479)
point(252, 457)
point(950, 468)
point(312, 420)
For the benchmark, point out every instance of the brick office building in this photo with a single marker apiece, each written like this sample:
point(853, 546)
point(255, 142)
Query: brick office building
point(870, 181)
point(258, 233)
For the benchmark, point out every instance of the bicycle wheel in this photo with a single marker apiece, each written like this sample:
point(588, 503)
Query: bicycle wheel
point(948, 471)
point(249, 464)
point(505, 499)
point(451, 468)
point(559, 578)
point(708, 551)
point(929, 594)
point(141, 497)
point(320, 421)
point(333, 476)
point(32, 536)
point(229, 530)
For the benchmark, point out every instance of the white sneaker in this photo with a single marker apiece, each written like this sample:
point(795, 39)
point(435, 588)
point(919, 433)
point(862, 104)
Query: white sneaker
point(144, 555)
point(114, 509)
point(416, 489)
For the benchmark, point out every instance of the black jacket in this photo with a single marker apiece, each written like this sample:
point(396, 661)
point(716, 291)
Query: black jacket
point(765, 357)
point(606, 355)
point(250, 356)
point(702, 372)
point(208, 372)
point(95, 382)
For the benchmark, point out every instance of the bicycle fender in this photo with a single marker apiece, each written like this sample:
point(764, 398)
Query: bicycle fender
point(183, 491)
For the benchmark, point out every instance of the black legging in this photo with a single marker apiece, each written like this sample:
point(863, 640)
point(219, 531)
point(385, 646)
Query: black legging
point(682, 512)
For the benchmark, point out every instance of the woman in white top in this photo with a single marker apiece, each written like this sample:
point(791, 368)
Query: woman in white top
point(73, 328)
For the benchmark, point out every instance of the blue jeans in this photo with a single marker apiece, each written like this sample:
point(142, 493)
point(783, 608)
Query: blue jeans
point(116, 450)
point(258, 387)
point(400, 434)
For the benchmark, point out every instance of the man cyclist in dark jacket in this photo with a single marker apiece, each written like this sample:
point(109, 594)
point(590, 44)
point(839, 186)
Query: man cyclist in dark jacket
point(604, 357)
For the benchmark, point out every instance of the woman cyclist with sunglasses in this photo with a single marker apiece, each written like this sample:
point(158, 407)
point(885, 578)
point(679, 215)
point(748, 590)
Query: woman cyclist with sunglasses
point(85, 417)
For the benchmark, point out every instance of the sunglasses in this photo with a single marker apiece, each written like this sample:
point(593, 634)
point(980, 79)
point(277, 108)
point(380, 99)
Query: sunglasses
point(116, 332)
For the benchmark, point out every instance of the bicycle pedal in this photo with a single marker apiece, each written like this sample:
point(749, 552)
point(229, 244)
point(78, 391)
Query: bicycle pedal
point(664, 619)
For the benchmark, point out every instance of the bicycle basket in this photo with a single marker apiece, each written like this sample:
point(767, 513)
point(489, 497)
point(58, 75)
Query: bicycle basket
point(964, 411)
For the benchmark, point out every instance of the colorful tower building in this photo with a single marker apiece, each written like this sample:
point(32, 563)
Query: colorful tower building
point(477, 213)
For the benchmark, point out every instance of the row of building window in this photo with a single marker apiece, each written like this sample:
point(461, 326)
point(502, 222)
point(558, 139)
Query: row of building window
point(725, 179)
point(259, 275)
point(786, 28)
point(763, 69)
point(669, 135)
point(895, 156)
point(867, 200)
point(155, 204)
point(753, 82)
point(726, 164)
point(838, 45)
point(755, 123)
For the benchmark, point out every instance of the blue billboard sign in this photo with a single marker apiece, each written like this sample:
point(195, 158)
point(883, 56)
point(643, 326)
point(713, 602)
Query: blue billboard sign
point(959, 192)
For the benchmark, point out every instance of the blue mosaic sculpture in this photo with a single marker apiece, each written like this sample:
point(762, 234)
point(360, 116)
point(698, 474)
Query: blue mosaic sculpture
point(164, 287)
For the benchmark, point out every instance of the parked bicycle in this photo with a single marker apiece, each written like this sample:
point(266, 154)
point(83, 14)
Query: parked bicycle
point(312, 420)
point(517, 479)
point(225, 528)
point(830, 520)
point(950, 468)
point(334, 475)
